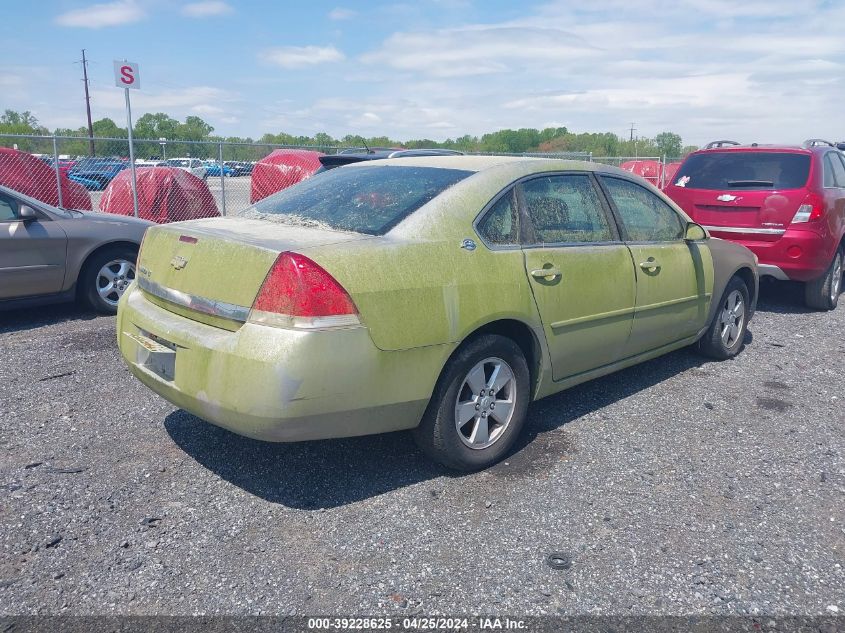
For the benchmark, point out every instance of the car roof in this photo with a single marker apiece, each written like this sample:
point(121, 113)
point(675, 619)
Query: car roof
point(481, 163)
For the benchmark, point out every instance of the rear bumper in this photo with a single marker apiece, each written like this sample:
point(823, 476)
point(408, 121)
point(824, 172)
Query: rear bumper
point(275, 384)
point(799, 255)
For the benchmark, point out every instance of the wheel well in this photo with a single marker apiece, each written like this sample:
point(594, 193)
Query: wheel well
point(100, 249)
point(520, 334)
point(748, 278)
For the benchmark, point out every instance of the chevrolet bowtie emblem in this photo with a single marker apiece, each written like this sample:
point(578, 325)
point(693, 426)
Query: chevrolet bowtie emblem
point(726, 197)
point(178, 262)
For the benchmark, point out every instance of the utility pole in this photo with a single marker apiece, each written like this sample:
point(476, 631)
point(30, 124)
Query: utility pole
point(633, 129)
point(88, 104)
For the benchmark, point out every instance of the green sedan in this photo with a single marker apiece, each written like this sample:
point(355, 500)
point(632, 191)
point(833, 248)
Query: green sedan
point(440, 294)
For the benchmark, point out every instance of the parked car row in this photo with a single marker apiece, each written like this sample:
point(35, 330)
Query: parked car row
point(441, 293)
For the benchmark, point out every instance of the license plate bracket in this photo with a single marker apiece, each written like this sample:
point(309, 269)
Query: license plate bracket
point(156, 355)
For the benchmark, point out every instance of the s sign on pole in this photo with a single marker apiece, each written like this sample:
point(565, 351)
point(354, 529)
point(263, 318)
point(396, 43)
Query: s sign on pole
point(126, 76)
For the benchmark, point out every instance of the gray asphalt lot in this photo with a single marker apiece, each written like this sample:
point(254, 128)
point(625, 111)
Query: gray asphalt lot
point(677, 487)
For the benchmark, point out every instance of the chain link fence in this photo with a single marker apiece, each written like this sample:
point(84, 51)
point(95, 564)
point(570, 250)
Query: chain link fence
point(183, 179)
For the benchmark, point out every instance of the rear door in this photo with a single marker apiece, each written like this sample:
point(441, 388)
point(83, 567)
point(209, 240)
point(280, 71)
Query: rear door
point(32, 254)
point(674, 277)
point(834, 196)
point(580, 272)
point(749, 195)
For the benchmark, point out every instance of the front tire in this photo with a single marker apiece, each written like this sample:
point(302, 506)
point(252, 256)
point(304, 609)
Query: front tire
point(724, 338)
point(105, 277)
point(823, 293)
point(479, 405)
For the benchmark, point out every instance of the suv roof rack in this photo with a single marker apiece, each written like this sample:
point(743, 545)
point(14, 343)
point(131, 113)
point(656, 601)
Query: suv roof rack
point(713, 144)
point(424, 152)
point(812, 142)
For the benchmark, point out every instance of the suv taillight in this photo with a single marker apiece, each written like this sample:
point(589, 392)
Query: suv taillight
point(811, 209)
point(297, 293)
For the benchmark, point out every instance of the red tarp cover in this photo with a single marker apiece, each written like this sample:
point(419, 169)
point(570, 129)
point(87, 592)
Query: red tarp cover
point(648, 169)
point(33, 177)
point(165, 194)
point(281, 169)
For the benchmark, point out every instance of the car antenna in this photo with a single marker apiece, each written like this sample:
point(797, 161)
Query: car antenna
point(369, 151)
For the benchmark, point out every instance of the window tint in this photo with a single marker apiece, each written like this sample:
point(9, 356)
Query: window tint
point(744, 171)
point(500, 225)
point(646, 217)
point(836, 169)
point(565, 209)
point(8, 209)
point(365, 199)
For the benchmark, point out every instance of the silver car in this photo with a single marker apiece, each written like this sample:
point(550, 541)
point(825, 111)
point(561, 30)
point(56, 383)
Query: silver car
point(51, 255)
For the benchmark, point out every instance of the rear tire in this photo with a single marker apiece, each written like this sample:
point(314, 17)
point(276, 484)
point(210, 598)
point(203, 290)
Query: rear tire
point(105, 277)
point(823, 293)
point(462, 428)
point(724, 338)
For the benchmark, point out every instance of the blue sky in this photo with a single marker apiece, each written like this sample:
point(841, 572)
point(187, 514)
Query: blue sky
point(758, 70)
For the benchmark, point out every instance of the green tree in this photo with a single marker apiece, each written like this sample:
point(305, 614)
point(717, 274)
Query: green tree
point(668, 144)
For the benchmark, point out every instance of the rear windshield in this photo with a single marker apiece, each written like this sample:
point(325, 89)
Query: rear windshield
point(744, 171)
point(370, 199)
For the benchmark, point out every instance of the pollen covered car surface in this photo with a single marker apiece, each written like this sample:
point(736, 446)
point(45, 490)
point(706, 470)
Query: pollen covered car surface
point(418, 293)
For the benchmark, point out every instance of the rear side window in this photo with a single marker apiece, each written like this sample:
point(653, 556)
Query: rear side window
point(746, 171)
point(368, 199)
point(834, 170)
point(500, 225)
point(565, 210)
point(645, 217)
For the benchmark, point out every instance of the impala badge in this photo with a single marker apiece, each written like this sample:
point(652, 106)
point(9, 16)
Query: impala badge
point(726, 197)
point(178, 262)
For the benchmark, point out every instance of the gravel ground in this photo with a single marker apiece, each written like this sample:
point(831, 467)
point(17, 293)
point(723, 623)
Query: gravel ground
point(677, 487)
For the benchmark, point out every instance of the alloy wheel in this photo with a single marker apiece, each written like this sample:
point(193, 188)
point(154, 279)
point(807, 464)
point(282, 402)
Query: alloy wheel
point(113, 279)
point(836, 279)
point(732, 319)
point(485, 403)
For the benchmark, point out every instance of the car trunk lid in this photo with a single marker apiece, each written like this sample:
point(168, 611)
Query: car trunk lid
point(213, 269)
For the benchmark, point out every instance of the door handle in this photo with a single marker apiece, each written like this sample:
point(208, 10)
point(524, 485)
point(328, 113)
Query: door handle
point(546, 273)
point(650, 265)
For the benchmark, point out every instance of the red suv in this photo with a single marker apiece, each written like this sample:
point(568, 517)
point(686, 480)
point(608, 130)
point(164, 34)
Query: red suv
point(787, 204)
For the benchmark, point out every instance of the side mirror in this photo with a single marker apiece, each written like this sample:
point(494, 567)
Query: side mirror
point(695, 232)
point(27, 213)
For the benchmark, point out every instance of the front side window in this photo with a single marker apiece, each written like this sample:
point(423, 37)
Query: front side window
point(8, 209)
point(645, 217)
point(500, 225)
point(565, 209)
point(369, 199)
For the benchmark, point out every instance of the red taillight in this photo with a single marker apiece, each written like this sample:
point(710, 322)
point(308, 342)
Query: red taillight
point(811, 209)
point(299, 293)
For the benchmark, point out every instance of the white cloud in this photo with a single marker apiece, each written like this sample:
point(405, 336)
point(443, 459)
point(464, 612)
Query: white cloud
point(101, 15)
point(339, 13)
point(301, 56)
point(206, 8)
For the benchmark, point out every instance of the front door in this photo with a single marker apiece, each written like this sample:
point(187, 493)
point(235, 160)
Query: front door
point(580, 272)
point(32, 254)
point(674, 277)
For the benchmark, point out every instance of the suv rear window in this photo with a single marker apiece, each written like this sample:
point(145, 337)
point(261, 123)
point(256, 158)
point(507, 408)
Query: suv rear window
point(744, 171)
point(368, 199)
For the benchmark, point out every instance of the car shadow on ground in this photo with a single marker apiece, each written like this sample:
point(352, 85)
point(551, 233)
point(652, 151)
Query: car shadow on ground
point(782, 297)
point(21, 319)
point(331, 473)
